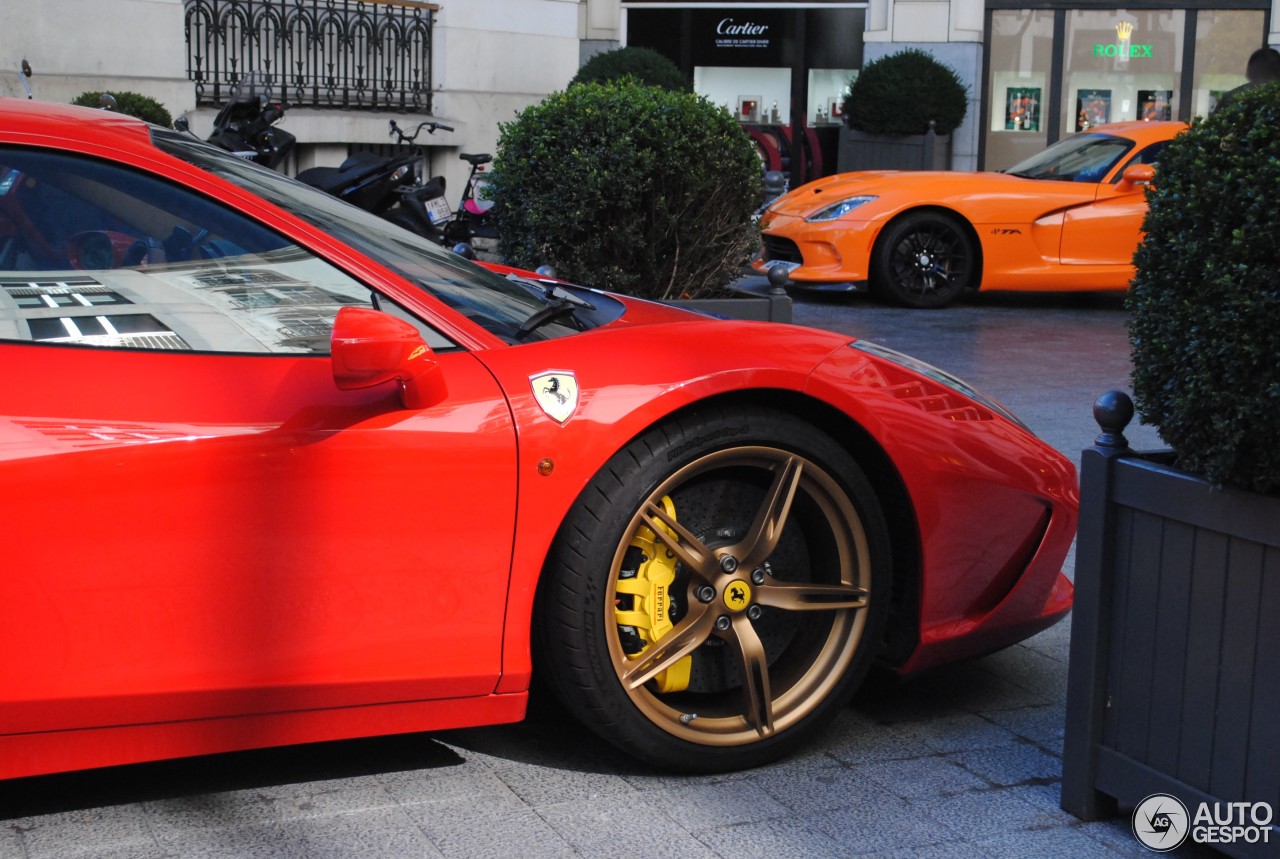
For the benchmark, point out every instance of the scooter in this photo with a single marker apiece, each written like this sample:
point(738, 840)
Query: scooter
point(392, 187)
point(246, 125)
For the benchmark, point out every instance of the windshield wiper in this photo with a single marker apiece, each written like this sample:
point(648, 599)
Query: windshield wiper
point(550, 291)
point(557, 308)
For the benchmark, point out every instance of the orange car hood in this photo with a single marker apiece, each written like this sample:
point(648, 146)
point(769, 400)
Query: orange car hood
point(981, 197)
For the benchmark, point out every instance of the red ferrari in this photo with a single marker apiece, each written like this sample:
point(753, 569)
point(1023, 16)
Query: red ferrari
point(280, 472)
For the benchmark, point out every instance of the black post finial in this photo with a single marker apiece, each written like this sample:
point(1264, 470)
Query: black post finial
point(1113, 411)
point(779, 277)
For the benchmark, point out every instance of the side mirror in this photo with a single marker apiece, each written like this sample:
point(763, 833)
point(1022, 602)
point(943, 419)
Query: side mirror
point(24, 72)
point(1139, 174)
point(371, 348)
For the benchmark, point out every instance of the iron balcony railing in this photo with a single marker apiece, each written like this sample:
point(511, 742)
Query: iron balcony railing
point(349, 54)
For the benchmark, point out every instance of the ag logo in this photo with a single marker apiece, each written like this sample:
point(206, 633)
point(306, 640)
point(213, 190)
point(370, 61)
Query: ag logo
point(1161, 822)
point(556, 393)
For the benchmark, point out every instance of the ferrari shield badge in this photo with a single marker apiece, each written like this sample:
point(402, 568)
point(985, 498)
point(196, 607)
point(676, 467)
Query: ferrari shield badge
point(556, 393)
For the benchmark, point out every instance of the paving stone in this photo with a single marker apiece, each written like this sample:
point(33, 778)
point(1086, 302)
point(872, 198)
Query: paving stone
point(786, 838)
point(625, 827)
point(538, 786)
point(1019, 763)
point(937, 775)
point(815, 786)
point(488, 826)
point(707, 806)
point(84, 833)
point(956, 732)
point(883, 825)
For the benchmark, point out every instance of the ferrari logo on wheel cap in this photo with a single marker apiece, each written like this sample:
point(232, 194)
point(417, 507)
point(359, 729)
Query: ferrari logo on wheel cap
point(556, 393)
point(737, 596)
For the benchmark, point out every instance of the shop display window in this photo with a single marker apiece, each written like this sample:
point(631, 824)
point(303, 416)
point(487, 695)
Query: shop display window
point(755, 96)
point(1093, 107)
point(1224, 40)
point(827, 91)
point(1022, 108)
point(1121, 64)
point(1021, 54)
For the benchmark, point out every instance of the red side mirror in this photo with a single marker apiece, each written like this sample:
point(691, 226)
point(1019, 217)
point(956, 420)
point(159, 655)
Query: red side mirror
point(371, 348)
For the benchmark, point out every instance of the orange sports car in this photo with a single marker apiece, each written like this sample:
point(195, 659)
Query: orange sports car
point(1068, 218)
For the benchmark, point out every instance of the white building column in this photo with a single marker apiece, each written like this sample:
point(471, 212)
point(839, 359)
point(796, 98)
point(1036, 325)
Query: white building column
point(951, 31)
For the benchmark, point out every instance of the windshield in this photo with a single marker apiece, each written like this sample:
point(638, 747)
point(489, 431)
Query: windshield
point(501, 305)
point(1080, 158)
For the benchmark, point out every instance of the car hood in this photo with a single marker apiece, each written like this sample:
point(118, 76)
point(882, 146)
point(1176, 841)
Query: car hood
point(965, 191)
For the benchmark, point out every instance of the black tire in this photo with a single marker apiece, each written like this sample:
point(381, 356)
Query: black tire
point(780, 557)
point(924, 260)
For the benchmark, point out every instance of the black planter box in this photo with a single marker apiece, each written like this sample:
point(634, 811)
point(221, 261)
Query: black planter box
point(1174, 680)
point(862, 151)
point(752, 299)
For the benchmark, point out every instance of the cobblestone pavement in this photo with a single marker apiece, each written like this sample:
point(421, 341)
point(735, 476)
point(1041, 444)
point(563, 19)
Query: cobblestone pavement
point(963, 762)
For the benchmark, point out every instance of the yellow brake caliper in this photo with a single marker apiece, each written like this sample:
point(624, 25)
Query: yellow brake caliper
point(643, 607)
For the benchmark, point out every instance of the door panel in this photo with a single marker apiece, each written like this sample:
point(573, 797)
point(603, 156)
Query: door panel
point(191, 535)
point(1105, 233)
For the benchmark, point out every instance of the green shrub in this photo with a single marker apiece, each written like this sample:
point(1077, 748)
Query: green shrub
point(1205, 302)
point(644, 64)
point(144, 107)
point(629, 188)
point(898, 94)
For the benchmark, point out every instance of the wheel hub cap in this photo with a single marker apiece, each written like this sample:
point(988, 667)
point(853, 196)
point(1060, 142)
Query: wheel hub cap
point(737, 596)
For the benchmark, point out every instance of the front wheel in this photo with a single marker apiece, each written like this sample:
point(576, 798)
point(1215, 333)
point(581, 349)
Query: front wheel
point(924, 260)
point(718, 591)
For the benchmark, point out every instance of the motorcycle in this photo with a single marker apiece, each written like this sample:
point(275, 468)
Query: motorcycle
point(391, 187)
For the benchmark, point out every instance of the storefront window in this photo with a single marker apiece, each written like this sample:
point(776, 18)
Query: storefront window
point(1121, 65)
point(756, 96)
point(1219, 65)
point(1021, 60)
point(781, 69)
point(827, 90)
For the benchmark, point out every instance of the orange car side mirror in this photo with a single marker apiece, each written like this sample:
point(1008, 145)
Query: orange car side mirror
point(1139, 174)
point(371, 348)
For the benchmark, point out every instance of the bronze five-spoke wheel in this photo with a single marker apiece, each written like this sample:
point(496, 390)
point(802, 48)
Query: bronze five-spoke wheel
point(717, 592)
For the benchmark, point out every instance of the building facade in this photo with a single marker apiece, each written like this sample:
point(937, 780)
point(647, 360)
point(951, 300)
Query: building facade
point(481, 62)
point(1036, 69)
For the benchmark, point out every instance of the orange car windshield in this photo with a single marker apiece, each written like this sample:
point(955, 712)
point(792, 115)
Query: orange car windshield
point(1080, 158)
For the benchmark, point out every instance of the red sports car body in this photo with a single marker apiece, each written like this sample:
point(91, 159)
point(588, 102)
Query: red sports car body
point(276, 472)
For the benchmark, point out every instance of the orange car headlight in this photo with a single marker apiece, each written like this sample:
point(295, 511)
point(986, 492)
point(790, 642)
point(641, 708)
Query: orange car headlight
point(838, 210)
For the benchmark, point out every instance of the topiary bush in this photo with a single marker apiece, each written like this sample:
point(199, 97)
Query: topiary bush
point(629, 188)
point(1205, 301)
point(898, 94)
point(644, 64)
point(144, 107)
